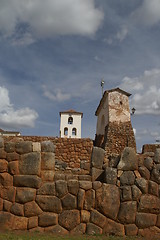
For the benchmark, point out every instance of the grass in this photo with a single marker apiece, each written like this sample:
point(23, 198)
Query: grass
point(40, 236)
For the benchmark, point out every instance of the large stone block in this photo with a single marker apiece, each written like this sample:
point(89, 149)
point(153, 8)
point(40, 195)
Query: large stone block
point(48, 161)
point(17, 209)
point(81, 197)
point(6, 179)
point(85, 216)
point(7, 206)
point(49, 203)
point(20, 223)
point(2, 154)
point(61, 188)
point(69, 202)
point(153, 188)
point(57, 230)
point(36, 147)
point(89, 201)
point(97, 218)
point(8, 193)
point(142, 184)
point(33, 222)
point(108, 200)
point(86, 185)
point(27, 181)
point(73, 186)
point(47, 219)
point(47, 175)
point(148, 163)
point(114, 160)
point(24, 195)
point(93, 229)
point(31, 209)
point(145, 173)
point(136, 193)
point(149, 204)
point(6, 221)
point(110, 175)
point(127, 178)
point(3, 165)
point(126, 193)
point(113, 228)
point(131, 230)
point(47, 189)
point(145, 220)
point(157, 155)
point(30, 164)
point(128, 160)
point(79, 229)
point(127, 212)
point(47, 146)
point(148, 233)
point(9, 147)
point(69, 219)
point(97, 174)
point(97, 157)
point(13, 168)
point(12, 156)
point(24, 147)
point(155, 174)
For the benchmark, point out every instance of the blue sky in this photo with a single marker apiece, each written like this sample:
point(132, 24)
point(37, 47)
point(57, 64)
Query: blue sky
point(54, 53)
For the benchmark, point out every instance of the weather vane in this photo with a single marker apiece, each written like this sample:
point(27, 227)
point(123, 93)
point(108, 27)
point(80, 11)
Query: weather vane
point(102, 84)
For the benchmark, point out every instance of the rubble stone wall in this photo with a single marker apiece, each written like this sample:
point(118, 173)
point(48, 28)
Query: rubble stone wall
point(120, 197)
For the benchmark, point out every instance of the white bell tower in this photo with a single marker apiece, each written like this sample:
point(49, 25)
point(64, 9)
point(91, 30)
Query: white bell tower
point(70, 124)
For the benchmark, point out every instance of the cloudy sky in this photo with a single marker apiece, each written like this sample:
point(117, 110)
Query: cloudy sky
point(54, 53)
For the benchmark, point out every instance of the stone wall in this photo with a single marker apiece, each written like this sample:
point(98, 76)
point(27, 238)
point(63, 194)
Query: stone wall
point(150, 148)
point(71, 155)
point(120, 197)
point(117, 136)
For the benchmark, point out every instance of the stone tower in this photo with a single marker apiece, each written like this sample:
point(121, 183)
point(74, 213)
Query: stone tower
point(70, 124)
point(114, 130)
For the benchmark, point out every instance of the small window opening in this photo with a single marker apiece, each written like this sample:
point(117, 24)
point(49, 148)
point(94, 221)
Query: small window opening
point(65, 131)
point(70, 120)
point(74, 132)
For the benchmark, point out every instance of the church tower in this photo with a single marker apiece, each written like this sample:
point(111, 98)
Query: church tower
point(114, 130)
point(70, 124)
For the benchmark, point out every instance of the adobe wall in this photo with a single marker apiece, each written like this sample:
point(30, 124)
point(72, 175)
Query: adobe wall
point(119, 197)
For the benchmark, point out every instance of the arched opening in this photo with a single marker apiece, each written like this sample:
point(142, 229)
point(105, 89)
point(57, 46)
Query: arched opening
point(74, 132)
point(70, 120)
point(65, 131)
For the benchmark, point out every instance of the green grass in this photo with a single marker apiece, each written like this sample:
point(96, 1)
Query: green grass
point(46, 236)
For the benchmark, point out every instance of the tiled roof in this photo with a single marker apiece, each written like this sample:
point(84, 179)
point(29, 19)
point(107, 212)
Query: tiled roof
point(72, 112)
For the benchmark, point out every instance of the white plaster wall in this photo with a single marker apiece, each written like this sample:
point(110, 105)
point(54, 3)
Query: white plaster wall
point(118, 107)
point(100, 130)
point(76, 124)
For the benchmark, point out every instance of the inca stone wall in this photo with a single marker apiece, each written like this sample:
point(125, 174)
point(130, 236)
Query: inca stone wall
point(120, 196)
point(71, 155)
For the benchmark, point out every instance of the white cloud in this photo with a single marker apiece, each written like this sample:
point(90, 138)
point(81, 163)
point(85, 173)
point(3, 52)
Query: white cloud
point(55, 95)
point(42, 19)
point(148, 13)
point(145, 90)
point(122, 33)
point(11, 118)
